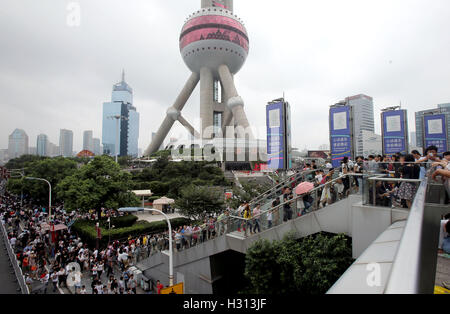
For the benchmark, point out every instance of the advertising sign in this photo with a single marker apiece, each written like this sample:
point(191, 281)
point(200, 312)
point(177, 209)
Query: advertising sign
point(340, 134)
point(275, 135)
point(435, 127)
point(176, 289)
point(394, 127)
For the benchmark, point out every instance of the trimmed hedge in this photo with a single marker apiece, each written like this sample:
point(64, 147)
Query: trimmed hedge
point(88, 233)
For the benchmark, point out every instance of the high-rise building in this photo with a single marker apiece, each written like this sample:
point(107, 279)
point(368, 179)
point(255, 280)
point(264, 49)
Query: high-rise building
point(88, 142)
point(42, 145)
point(65, 143)
point(120, 110)
point(17, 144)
point(97, 148)
point(32, 150)
point(413, 139)
point(3, 156)
point(363, 119)
point(52, 150)
point(441, 109)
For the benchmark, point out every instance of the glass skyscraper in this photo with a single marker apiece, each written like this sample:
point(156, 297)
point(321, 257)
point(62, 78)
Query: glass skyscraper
point(121, 105)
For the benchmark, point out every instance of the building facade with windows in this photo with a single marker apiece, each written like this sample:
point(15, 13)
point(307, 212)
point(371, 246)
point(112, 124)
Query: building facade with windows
point(120, 110)
point(17, 144)
point(363, 119)
point(42, 145)
point(65, 143)
point(88, 141)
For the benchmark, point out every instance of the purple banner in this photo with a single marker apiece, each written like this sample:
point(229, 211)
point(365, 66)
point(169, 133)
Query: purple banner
point(275, 136)
point(340, 134)
point(395, 132)
point(435, 128)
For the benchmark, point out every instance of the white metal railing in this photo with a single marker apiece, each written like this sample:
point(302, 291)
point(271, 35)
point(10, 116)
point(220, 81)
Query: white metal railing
point(13, 259)
point(405, 276)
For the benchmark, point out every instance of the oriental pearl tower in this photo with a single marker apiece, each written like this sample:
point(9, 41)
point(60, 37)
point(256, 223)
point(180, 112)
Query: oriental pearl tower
point(214, 45)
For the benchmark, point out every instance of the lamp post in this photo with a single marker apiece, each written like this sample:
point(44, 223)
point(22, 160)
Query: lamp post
point(117, 118)
point(170, 241)
point(49, 193)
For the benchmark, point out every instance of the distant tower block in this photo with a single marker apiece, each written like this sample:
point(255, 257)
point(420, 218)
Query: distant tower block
point(214, 45)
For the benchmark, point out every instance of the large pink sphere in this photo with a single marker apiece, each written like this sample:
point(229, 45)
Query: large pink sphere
point(212, 37)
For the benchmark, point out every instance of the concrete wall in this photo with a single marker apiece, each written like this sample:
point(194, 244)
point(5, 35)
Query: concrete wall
point(368, 222)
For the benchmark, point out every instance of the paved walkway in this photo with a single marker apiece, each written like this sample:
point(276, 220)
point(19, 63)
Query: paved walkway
point(8, 284)
point(443, 269)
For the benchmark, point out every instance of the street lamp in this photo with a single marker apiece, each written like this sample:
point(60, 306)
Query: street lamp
point(117, 118)
point(170, 240)
point(49, 193)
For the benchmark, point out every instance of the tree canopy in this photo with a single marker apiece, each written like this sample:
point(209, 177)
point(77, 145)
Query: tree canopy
point(200, 202)
point(166, 178)
point(52, 169)
point(98, 184)
point(309, 266)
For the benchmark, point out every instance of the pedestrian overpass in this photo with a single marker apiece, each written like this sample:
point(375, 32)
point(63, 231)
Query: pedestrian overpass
point(401, 242)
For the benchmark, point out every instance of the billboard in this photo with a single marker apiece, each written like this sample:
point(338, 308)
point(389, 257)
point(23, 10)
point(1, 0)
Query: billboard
point(394, 128)
point(435, 127)
point(341, 137)
point(278, 121)
point(275, 135)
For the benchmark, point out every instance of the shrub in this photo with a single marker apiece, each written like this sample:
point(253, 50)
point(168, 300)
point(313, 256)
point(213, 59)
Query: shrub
point(88, 233)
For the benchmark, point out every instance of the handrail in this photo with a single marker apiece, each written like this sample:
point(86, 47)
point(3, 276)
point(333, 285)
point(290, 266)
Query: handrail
point(406, 273)
point(298, 197)
point(280, 185)
point(394, 180)
point(13, 259)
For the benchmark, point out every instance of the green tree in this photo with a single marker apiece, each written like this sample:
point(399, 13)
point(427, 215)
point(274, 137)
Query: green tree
point(98, 184)
point(52, 169)
point(309, 266)
point(23, 161)
point(199, 202)
point(167, 178)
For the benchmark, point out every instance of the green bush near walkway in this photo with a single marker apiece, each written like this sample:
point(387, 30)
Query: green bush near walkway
point(87, 231)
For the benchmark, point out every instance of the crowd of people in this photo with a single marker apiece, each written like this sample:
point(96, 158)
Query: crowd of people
point(64, 260)
point(332, 185)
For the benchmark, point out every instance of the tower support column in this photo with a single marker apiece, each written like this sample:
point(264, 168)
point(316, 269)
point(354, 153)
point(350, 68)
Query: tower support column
point(235, 102)
point(206, 102)
point(168, 122)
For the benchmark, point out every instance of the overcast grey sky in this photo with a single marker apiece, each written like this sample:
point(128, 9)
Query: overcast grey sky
point(53, 76)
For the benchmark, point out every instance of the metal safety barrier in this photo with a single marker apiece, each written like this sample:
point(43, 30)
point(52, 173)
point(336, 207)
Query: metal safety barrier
point(15, 264)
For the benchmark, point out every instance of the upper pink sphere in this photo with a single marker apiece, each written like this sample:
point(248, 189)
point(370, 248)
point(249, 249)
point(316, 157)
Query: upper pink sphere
point(212, 37)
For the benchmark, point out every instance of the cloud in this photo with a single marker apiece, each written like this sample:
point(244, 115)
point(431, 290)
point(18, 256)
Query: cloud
point(53, 76)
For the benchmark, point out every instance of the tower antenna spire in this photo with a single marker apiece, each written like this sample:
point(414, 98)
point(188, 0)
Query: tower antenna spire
point(123, 75)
